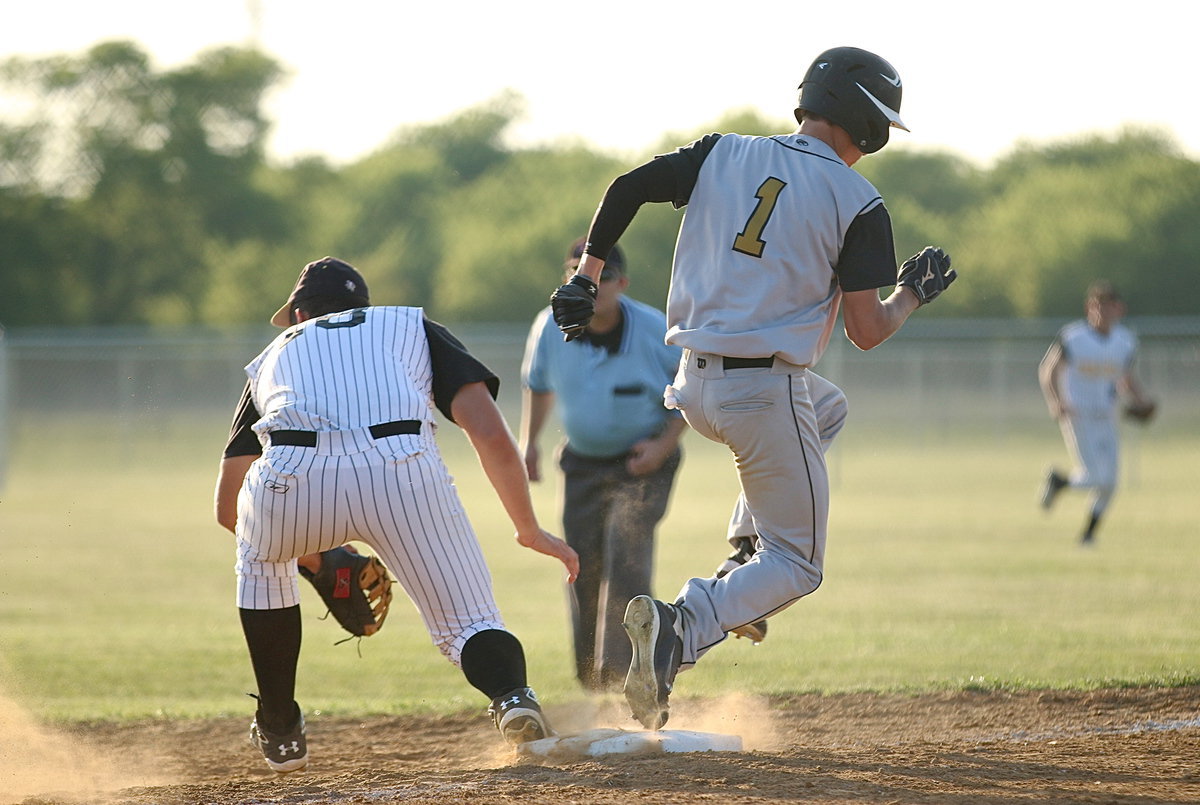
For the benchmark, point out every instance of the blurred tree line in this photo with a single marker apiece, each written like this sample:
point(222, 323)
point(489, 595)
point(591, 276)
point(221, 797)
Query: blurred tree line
point(134, 195)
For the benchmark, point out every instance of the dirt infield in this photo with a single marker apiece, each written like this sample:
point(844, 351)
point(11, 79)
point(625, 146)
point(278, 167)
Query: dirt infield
point(1112, 746)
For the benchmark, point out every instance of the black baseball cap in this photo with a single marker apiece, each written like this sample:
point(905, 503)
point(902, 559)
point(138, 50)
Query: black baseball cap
point(615, 261)
point(328, 276)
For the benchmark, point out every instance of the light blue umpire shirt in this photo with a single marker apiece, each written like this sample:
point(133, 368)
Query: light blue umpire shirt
point(606, 401)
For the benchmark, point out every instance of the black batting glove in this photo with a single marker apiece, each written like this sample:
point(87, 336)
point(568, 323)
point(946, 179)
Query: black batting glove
point(573, 305)
point(927, 273)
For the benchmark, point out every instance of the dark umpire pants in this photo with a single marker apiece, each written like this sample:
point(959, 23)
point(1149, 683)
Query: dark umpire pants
point(609, 518)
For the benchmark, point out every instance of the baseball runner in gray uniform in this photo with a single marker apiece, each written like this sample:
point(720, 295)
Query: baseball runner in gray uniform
point(1083, 375)
point(333, 441)
point(779, 233)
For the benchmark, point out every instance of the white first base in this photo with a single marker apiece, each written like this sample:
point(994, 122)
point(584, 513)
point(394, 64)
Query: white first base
point(606, 741)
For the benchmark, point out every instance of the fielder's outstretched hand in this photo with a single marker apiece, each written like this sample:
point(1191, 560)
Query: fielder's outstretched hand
point(543, 541)
point(573, 305)
point(927, 273)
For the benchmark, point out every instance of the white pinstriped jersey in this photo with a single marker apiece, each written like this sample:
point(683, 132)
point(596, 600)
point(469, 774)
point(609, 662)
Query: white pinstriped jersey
point(338, 375)
point(755, 264)
point(383, 372)
point(1095, 362)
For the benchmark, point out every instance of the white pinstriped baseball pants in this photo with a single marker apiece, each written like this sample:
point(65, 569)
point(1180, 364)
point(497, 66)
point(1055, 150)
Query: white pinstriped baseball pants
point(396, 495)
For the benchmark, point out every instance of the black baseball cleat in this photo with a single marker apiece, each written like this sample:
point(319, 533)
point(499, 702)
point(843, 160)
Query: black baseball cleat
point(1053, 484)
point(657, 652)
point(743, 552)
point(283, 751)
point(519, 717)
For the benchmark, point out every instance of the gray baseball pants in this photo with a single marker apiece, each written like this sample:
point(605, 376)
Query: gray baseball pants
point(768, 417)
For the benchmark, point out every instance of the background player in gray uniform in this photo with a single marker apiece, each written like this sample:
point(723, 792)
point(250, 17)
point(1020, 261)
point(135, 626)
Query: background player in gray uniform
point(618, 461)
point(333, 440)
point(1083, 375)
point(779, 232)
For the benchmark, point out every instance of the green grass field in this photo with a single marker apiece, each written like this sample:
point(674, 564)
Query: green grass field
point(942, 573)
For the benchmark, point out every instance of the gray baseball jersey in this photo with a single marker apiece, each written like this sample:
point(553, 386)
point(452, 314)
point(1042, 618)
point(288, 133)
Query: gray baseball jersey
point(776, 228)
point(757, 263)
point(362, 385)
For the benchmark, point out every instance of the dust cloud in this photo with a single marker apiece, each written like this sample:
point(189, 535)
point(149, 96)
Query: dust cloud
point(733, 714)
point(36, 760)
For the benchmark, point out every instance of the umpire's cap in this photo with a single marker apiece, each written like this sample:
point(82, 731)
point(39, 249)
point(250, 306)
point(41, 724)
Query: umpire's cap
point(615, 261)
point(328, 276)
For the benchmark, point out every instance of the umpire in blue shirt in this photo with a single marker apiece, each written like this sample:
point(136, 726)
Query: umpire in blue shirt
point(619, 458)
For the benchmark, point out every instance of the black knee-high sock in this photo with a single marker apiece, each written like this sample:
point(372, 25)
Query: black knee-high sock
point(273, 637)
point(494, 662)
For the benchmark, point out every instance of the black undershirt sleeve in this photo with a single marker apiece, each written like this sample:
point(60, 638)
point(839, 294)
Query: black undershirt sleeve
point(242, 440)
point(686, 163)
point(668, 177)
point(868, 256)
point(454, 367)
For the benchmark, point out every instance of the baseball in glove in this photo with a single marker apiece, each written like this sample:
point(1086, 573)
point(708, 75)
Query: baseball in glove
point(356, 587)
point(1140, 411)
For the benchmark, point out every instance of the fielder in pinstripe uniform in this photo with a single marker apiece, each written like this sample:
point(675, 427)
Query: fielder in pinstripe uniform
point(333, 440)
point(1083, 375)
point(779, 233)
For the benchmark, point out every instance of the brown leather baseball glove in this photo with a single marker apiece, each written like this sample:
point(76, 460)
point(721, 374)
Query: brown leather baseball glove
point(356, 587)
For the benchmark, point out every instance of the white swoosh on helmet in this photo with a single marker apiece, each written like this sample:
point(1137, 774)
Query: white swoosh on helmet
point(891, 114)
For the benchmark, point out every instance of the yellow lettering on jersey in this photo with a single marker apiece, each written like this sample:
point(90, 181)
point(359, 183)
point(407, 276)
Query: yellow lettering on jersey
point(749, 240)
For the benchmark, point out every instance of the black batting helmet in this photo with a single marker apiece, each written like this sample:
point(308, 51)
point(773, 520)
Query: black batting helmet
point(858, 91)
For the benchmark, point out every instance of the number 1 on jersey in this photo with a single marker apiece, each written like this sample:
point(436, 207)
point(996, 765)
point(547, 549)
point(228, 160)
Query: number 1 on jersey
point(749, 240)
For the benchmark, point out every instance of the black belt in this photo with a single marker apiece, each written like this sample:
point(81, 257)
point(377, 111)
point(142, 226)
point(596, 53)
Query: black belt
point(746, 363)
point(308, 438)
